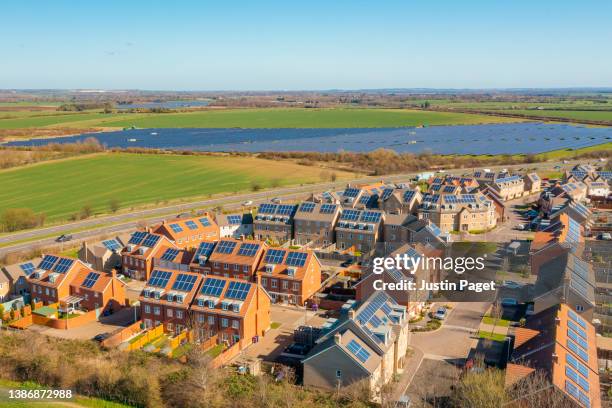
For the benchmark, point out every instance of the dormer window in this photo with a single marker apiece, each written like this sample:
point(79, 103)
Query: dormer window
point(236, 308)
point(291, 271)
point(201, 302)
point(269, 268)
point(170, 297)
point(157, 295)
point(224, 306)
point(211, 304)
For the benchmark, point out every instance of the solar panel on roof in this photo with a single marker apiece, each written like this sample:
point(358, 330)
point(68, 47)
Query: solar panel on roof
point(248, 249)
point(184, 282)
point(350, 215)
point(225, 247)
point(111, 244)
point(434, 230)
point(170, 254)
point(234, 219)
point(328, 208)
point(159, 278)
point(204, 221)
point(63, 265)
point(267, 208)
point(358, 351)
point(579, 351)
point(137, 237)
point(386, 193)
point(370, 216)
point(307, 207)
point(275, 256)
point(297, 259)
point(150, 241)
point(213, 287)
point(238, 290)
point(176, 228)
point(191, 225)
point(351, 192)
point(205, 248)
point(90, 280)
point(572, 361)
point(364, 199)
point(27, 268)
point(285, 209)
point(572, 315)
point(396, 274)
point(47, 262)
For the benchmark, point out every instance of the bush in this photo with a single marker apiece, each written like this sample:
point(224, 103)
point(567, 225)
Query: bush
point(15, 219)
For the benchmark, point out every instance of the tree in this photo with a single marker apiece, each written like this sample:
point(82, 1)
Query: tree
point(113, 205)
point(15, 219)
point(480, 389)
point(86, 211)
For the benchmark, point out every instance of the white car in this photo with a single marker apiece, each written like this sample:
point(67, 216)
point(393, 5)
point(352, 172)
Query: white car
point(247, 203)
point(606, 236)
point(276, 200)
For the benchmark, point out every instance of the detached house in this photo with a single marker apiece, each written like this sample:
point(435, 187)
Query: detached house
point(464, 212)
point(98, 291)
point(166, 298)
point(315, 222)
point(368, 344)
point(230, 311)
point(290, 276)
point(104, 255)
point(235, 225)
point(50, 280)
point(137, 255)
point(236, 258)
point(274, 222)
point(533, 183)
point(15, 277)
point(189, 232)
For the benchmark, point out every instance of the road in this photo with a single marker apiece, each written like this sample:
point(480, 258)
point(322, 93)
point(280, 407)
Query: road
point(113, 224)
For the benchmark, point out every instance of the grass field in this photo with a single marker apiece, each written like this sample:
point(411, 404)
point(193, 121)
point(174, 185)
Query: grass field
point(62, 188)
point(255, 118)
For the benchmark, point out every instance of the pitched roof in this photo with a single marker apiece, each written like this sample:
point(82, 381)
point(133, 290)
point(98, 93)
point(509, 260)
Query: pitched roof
point(226, 296)
point(237, 251)
point(171, 287)
point(94, 280)
point(181, 228)
point(288, 263)
point(145, 244)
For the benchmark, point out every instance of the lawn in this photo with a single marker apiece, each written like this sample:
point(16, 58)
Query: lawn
point(487, 335)
point(500, 322)
point(62, 188)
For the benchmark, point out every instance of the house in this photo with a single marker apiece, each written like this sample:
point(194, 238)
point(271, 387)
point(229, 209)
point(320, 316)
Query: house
point(498, 203)
point(533, 183)
point(137, 255)
point(97, 290)
point(577, 211)
point(15, 279)
point(187, 233)
point(236, 258)
point(289, 275)
point(104, 255)
point(464, 212)
point(466, 184)
point(362, 196)
point(235, 225)
point(173, 258)
point(566, 278)
point(199, 261)
point(509, 187)
point(50, 281)
point(576, 191)
point(368, 344)
point(231, 311)
point(599, 189)
point(359, 230)
point(274, 222)
point(315, 222)
point(400, 229)
point(166, 298)
point(328, 197)
point(400, 201)
point(563, 346)
point(564, 234)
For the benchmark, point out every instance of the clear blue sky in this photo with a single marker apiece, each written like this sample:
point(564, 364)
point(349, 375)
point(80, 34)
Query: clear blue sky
point(255, 45)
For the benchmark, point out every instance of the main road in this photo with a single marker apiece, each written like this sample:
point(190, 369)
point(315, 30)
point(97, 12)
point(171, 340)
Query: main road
point(117, 223)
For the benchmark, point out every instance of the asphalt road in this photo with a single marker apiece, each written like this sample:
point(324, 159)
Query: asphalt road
point(112, 224)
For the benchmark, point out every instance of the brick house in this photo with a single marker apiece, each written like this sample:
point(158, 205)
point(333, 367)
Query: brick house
point(236, 258)
point(315, 222)
point(137, 255)
point(189, 232)
point(274, 222)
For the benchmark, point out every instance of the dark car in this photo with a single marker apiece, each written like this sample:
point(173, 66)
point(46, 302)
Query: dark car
point(348, 262)
point(101, 337)
point(64, 238)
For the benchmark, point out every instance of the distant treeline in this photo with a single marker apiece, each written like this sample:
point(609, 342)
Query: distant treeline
point(20, 156)
point(78, 107)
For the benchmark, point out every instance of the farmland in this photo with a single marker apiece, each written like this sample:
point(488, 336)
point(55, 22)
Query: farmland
point(593, 115)
point(62, 188)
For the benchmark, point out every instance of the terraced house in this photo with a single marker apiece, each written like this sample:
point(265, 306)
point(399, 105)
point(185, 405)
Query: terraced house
point(400, 200)
point(50, 280)
point(173, 258)
point(235, 225)
point(289, 275)
point(466, 184)
point(137, 256)
point(166, 299)
point(361, 197)
point(464, 212)
point(238, 259)
point(199, 260)
point(315, 222)
point(230, 311)
point(274, 222)
point(189, 232)
point(359, 230)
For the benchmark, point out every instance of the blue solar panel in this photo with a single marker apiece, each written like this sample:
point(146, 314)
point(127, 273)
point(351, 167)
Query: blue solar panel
point(159, 278)
point(296, 259)
point(137, 237)
point(47, 262)
point(275, 256)
point(205, 248)
point(351, 192)
point(27, 268)
point(434, 230)
point(90, 279)
point(238, 290)
point(386, 193)
point(213, 287)
point(63, 265)
point(572, 361)
point(111, 244)
point(225, 247)
point(267, 208)
point(328, 208)
point(150, 241)
point(285, 209)
point(248, 249)
point(364, 199)
point(572, 315)
point(191, 225)
point(176, 228)
point(205, 222)
point(307, 207)
point(358, 351)
point(184, 282)
point(370, 216)
point(408, 195)
point(170, 254)
point(579, 351)
point(234, 219)
point(350, 215)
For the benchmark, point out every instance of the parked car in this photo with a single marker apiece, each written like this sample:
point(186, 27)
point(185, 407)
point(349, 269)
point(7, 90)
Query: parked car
point(101, 337)
point(509, 302)
point(347, 263)
point(520, 227)
point(440, 313)
point(530, 309)
point(247, 203)
point(276, 200)
point(511, 284)
point(606, 236)
point(64, 238)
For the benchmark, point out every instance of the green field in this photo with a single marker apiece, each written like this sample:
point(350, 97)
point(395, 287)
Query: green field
point(256, 118)
point(61, 188)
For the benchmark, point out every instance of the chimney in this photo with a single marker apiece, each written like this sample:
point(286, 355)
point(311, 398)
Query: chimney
point(337, 338)
point(85, 251)
point(351, 314)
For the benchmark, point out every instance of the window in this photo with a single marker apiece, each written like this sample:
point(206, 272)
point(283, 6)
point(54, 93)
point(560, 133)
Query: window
point(179, 314)
point(274, 283)
point(201, 318)
point(169, 312)
point(264, 281)
point(296, 286)
point(156, 310)
point(211, 319)
point(236, 267)
point(285, 285)
point(224, 322)
point(245, 268)
point(147, 309)
point(169, 326)
point(226, 266)
point(338, 373)
point(579, 308)
point(235, 324)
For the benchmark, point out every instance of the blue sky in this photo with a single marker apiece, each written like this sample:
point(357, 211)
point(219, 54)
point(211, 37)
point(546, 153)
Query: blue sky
point(257, 45)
